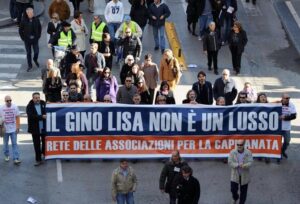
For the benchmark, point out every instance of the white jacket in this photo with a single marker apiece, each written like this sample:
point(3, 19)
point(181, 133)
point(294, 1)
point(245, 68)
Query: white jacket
point(114, 12)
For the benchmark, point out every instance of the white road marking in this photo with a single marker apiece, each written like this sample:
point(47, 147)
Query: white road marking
point(10, 38)
point(13, 56)
point(12, 47)
point(59, 171)
point(293, 12)
point(8, 75)
point(9, 30)
point(10, 66)
point(250, 9)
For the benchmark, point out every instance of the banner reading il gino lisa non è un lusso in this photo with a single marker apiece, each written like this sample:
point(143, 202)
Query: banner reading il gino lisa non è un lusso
point(94, 130)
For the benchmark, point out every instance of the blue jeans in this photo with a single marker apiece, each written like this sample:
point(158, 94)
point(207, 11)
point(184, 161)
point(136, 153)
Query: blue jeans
point(159, 40)
point(286, 139)
point(13, 9)
point(13, 138)
point(112, 28)
point(125, 198)
point(225, 29)
point(204, 21)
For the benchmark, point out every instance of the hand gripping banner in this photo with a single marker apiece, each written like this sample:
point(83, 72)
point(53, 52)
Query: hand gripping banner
point(97, 130)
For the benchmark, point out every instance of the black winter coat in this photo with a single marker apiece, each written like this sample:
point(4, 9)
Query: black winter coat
point(201, 6)
point(131, 46)
point(227, 90)
point(28, 29)
point(163, 9)
point(204, 93)
point(237, 41)
point(191, 11)
point(52, 90)
point(34, 119)
point(188, 191)
point(168, 177)
point(139, 14)
point(211, 41)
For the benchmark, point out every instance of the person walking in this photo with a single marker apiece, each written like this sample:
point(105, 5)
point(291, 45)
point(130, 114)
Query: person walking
point(211, 46)
point(124, 183)
point(188, 187)
point(191, 15)
point(203, 89)
point(54, 26)
point(139, 13)
point(240, 160)
point(107, 48)
point(114, 14)
point(60, 7)
point(53, 87)
point(64, 38)
point(126, 92)
point(237, 42)
point(169, 174)
point(158, 13)
point(30, 32)
point(36, 115)
point(97, 30)
point(169, 69)
point(81, 31)
point(10, 115)
point(225, 86)
point(226, 16)
point(21, 6)
point(288, 113)
point(204, 10)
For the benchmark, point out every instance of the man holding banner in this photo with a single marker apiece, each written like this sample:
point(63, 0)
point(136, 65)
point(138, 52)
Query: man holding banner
point(240, 160)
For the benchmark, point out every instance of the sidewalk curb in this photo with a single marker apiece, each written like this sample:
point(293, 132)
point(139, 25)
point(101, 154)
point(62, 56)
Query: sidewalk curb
point(39, 7)
point(289, 26)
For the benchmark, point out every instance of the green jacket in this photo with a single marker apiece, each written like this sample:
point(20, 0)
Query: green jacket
point(122, 184)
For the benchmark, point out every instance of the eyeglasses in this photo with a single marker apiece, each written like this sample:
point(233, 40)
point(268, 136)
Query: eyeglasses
point(127, 32)
point(130, 59)
point(8, 100)
point(240, 145)
point(242, 97)
point(127, 80)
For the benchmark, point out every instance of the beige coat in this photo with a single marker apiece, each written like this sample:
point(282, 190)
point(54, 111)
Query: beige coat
point(166, 72)
point(233, 163)
point(121, 184)
point(81, 32)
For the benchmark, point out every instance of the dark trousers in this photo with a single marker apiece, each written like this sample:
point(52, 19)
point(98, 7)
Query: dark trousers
point(243, 192)
point(193, 26)
point(76, 4)
point(37, 139)
point(236, 59)
point(212, 57)
point(172, 199)
point(13, 9)
point(35, 45)
point(151, 91)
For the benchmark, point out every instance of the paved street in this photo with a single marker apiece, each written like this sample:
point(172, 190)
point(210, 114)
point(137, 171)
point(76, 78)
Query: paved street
point(270, 62)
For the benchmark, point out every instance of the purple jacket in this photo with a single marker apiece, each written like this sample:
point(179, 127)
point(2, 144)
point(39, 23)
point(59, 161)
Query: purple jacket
point(106, 86)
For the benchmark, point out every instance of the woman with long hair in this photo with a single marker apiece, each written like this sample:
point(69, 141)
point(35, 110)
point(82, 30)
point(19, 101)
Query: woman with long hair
point(78, 77)
point(143, 91)
point(105, 84)
point(53, 86)
point(167, 92)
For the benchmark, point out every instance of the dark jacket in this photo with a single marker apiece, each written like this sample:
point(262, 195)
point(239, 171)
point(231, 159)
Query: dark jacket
point(168, 176)
point(161, 10)
point(145, 97)
point(52, 91)
point(188, 191)
point(30, 28)
point(201, 6)
point(238, 41)
point(169, 98)
point(224, 14)
point(34, 119)
point(110, 48)
point(227, 90)
point(139, 14)
point(211, 41)
point(131, 46)
point(125, 69)
point(191, 11)
point(51, 29)
point(204, 93)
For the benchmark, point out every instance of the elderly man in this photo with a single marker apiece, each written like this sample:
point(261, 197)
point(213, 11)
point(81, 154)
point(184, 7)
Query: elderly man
point(126, 92)
point(128, 23)
point(288, 113)
point(225, 86)
point(240, 160)
point(11, 121)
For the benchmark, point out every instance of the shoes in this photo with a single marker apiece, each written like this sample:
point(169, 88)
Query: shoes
point(233, 202)
point(278, 161)
point(162, 51)
point(284, 155)
point(199, 38)
point(29, 68)
point(17, 161)
point(223, 43)
point(156, 48)
point(36, 63)
point(38, 163)
point(189, 29)
point(6, 158)
point(216, 72)
point(209, 68)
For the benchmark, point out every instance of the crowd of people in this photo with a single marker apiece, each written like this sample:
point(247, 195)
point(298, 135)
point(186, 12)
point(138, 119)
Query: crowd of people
point(119, 37)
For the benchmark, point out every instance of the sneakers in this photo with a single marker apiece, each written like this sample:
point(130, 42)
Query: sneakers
point(6, 158)
point(17, 161)
point(29, 68)
point(216, 72)
point(156, 48)
point(38, 163)
point(284, 155)
point(199, 38)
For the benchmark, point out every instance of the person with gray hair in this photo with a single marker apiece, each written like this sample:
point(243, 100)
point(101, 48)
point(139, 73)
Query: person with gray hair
point(30, 31)
point(240, 160)
point(211, 46)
